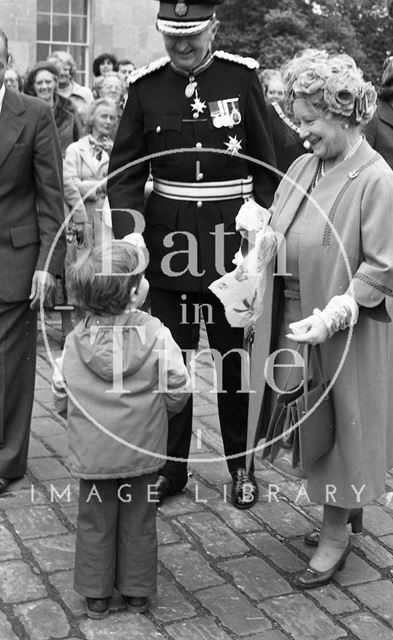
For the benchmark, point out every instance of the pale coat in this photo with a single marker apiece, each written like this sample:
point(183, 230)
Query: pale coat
point(117, 427)
point(84, 185)
point(357, 197)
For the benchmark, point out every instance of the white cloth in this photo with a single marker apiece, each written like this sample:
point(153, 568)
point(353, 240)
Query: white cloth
point(241, 290)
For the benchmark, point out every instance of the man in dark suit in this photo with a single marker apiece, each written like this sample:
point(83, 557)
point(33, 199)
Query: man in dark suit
point(195, 99)
point(31, 213)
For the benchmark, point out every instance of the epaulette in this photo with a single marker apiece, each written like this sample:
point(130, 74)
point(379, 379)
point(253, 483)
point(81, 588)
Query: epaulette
point(251, 63)
point(149, 68)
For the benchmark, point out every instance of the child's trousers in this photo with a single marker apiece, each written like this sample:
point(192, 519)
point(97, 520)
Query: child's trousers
point(116, 541)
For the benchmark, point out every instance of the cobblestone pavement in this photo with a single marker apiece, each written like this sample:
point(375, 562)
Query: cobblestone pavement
point(223, 573)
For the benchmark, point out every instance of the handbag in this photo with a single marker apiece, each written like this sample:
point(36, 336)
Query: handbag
point(291, 426)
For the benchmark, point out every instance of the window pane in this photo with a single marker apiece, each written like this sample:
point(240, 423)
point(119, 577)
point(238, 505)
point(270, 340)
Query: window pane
point(79, 55)
point(81, 78)
point(78, 29)
point(61, 6)
point(42, 51)
point(43, 27)
point(60, 28)
point(43, 5)
point(79, 6)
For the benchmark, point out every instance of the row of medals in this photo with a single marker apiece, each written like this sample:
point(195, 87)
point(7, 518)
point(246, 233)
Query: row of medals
point(221, 117)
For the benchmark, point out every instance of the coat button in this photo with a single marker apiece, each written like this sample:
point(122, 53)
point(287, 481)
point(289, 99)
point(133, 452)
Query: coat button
point(199, 145)
point(158, 129)
point(199, 204)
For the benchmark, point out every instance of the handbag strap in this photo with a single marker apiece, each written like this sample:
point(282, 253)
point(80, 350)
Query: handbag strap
point(299, 345)
point(306, 348)
point(306, 356)
point(306, 367)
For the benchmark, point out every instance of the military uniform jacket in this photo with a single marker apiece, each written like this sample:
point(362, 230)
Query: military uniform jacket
point(159, 117)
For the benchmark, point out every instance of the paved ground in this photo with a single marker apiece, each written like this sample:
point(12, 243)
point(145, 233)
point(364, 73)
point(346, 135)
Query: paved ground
point(223, 573)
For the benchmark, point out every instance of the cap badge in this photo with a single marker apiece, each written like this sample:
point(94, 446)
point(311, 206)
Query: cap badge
point(181, 9)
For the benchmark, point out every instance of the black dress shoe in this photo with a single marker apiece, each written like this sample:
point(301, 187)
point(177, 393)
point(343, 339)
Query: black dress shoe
point(136, 605)
point(311, 578)
point(4, 482)
point(355, 519)
point(164, 487)
point(97, 608)
point(245, 490)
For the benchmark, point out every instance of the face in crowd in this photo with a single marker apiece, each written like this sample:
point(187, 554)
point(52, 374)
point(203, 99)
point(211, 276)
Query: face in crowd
point(64, 79)
point(44, 85)
point(104, 120)
point(323, 131)
point(11, 79)
point(106, 66)
point(125, 71)
point(275, 90)
point(112, 88)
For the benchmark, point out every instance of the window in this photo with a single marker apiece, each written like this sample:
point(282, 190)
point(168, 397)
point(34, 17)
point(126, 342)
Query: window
point(64, 24)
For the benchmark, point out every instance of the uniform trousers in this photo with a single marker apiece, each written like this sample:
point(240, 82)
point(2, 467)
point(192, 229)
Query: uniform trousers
point(18, 342)
point(116, 539)
point(179, 311)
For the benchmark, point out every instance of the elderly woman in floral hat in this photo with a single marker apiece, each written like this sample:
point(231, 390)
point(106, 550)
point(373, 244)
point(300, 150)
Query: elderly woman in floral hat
point(333, 214)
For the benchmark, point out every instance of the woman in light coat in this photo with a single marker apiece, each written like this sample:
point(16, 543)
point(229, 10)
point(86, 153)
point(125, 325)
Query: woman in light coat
point(337, 277)
point(85, 169)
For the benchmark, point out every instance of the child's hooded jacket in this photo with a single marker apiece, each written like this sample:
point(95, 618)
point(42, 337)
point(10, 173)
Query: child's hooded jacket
point(119, 398)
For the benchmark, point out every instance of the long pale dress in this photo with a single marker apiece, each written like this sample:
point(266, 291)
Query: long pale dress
point(353, 472)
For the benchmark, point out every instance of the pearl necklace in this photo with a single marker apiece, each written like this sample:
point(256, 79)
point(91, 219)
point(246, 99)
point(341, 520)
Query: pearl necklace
point(321, 165)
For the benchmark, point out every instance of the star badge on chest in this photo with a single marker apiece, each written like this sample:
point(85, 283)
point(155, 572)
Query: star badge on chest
point(233, 145)
point(198, 106)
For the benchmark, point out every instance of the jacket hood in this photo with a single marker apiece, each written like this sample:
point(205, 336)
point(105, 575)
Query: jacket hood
point(134, 333)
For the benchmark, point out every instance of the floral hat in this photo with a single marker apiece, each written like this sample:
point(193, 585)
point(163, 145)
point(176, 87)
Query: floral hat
point(333, 81)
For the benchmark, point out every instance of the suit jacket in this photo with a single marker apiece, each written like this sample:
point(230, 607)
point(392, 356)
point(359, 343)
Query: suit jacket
point(379, 131)
point(31, 203)
point(160, 115)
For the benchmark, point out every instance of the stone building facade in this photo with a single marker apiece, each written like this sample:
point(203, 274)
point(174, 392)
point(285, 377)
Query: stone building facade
point(85, 27)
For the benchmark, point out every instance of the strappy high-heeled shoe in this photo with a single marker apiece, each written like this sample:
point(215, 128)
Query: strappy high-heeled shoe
point(355, 519)
point(312, 578)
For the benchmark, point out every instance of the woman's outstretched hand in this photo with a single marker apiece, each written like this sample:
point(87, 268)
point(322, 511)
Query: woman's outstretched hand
point(312, 330)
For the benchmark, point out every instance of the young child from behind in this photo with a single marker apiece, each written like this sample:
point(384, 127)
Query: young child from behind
point(118, 377)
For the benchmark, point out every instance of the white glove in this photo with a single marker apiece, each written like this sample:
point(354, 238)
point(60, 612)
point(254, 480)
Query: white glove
point(340, 313)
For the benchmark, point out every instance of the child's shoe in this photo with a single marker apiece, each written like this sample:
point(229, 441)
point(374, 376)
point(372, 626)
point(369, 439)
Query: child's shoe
point(136, 605)
point(97, 608)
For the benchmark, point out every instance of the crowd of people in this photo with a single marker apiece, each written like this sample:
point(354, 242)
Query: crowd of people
point(311, 147)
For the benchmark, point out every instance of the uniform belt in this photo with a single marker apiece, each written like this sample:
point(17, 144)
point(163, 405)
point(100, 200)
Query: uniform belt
point(220, 190)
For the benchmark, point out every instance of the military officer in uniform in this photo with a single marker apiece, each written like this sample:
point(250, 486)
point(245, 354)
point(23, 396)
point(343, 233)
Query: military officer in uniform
point(194, 99)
